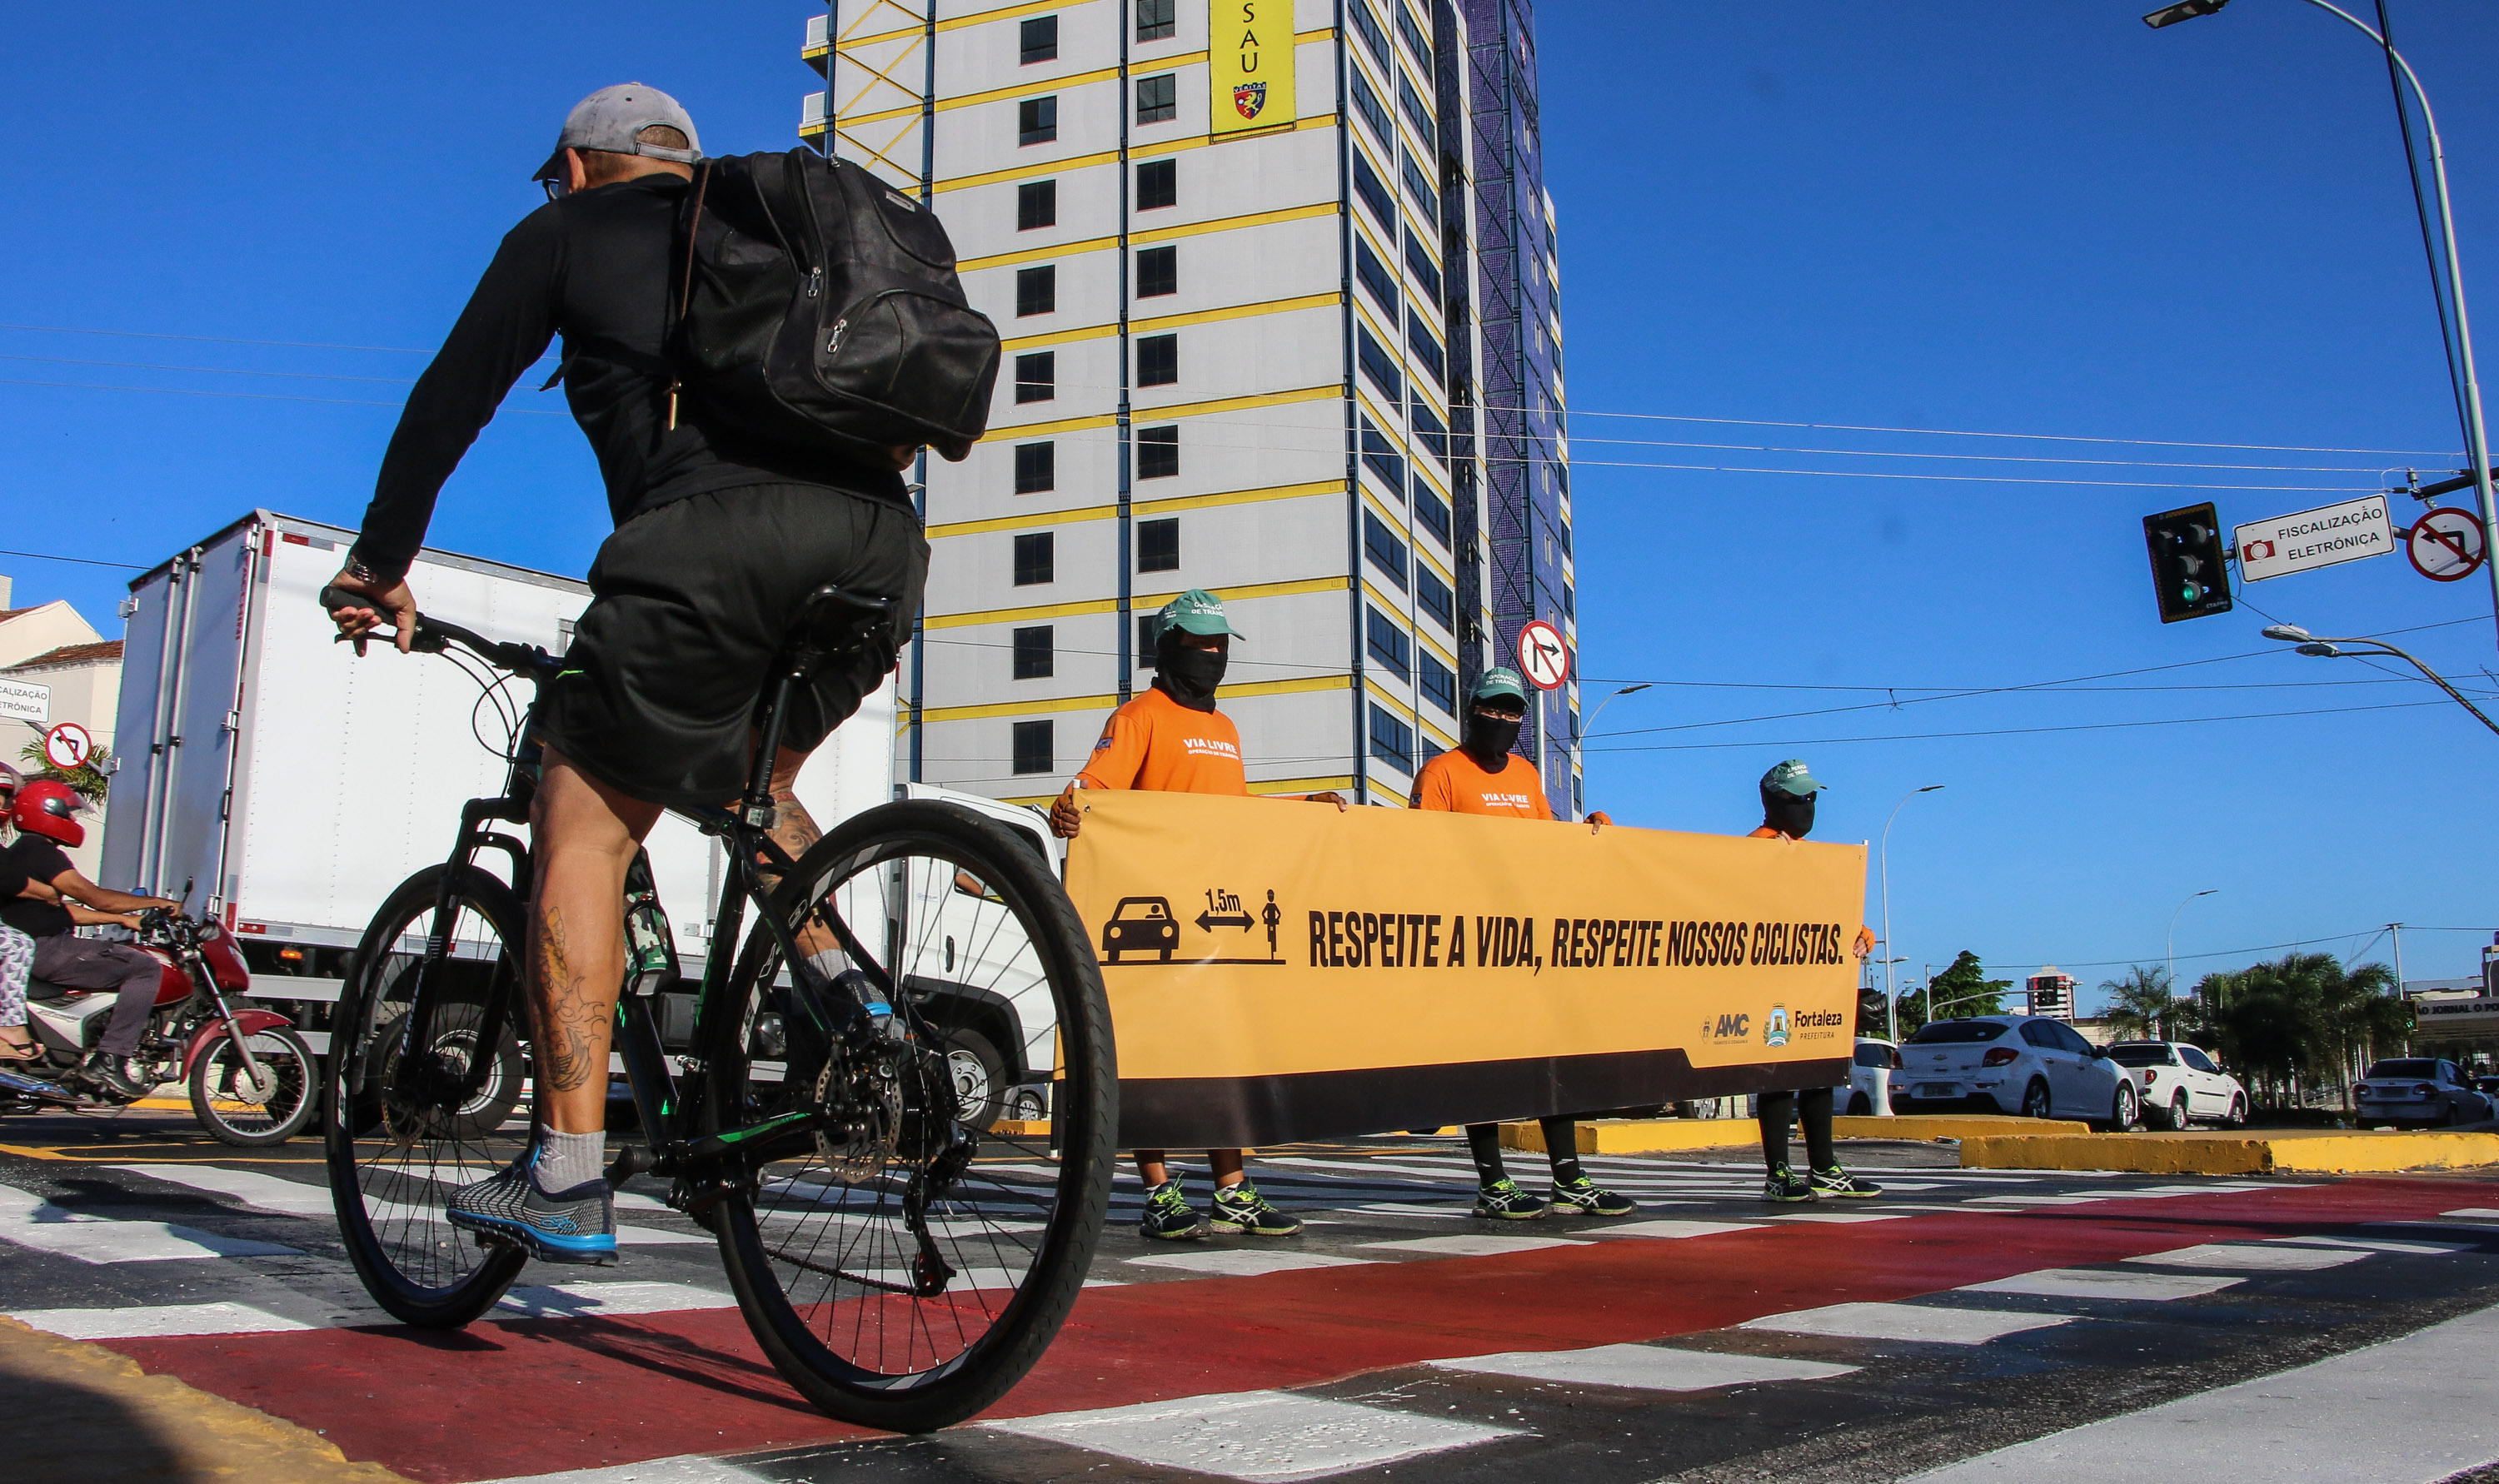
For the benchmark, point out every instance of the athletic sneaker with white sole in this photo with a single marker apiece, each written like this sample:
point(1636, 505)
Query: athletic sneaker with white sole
point(1241, 1208)
point(1503, 1200)
point(1585, 1197)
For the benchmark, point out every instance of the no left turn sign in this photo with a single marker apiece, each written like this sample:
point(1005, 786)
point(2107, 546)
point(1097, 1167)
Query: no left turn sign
point(68, 746)
point(1544, 656)
point(2446, 544)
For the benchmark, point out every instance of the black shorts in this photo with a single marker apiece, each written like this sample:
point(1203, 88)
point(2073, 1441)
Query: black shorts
point(689, 604)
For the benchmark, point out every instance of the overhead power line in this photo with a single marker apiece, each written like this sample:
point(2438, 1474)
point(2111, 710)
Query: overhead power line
point(2011, 731)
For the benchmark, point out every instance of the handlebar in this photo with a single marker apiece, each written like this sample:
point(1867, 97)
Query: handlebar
point(434, 635)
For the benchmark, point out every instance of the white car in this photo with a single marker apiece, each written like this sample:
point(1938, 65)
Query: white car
point(2420, 1091)
point(2028, 1065)
point(2179, 1083)
point(1868, 1089)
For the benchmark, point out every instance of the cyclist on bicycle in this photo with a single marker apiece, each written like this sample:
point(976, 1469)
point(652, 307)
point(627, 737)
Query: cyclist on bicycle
point(1481, 775)
point(1173, 740)
point(716, 546)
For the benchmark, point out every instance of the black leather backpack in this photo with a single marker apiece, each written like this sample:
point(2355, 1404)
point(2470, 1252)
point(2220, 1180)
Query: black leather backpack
point(818, 309)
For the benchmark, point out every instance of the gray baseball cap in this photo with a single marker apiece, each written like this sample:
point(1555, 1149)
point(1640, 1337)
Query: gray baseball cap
point(613, 119)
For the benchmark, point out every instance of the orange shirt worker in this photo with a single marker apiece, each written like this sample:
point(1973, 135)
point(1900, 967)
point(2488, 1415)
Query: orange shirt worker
point(1172, 740)
point(1481, 775)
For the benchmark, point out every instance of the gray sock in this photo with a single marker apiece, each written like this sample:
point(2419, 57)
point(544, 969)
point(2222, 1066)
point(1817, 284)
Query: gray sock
point(566, 1160)
point(832, 963)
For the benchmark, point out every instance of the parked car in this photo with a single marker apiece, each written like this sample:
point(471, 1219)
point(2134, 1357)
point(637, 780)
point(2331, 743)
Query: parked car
point(2423, 1091)
point(1868, 1089)
point(2029, 1065)
point(2179, 1083)
point(2489, 1087)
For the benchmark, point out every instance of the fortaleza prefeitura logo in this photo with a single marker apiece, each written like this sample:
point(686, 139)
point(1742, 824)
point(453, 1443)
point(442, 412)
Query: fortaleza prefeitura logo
point(1775, 1030)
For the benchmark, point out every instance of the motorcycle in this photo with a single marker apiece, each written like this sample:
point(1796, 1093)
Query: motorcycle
point(252, 1079)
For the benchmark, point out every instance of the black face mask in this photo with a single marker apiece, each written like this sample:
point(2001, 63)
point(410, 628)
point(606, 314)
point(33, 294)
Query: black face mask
point(1188, 675)
point(1489, 739)
point(1788, 814)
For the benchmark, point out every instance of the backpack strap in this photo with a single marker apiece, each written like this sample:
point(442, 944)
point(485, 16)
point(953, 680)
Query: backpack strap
point(685, 283)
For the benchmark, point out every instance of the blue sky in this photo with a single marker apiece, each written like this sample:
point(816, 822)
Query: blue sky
point(2030, 218)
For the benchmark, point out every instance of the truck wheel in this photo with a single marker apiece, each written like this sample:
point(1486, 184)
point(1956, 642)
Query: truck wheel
point(2178, 1114)
point(980, 1076)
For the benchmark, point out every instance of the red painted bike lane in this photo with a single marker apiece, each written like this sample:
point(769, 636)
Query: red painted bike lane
point(448, 1408)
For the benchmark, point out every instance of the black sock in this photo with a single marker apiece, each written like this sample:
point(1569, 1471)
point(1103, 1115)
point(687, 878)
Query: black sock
point(1483, 1142)
point(1813, 1109)
point(1562, 1147)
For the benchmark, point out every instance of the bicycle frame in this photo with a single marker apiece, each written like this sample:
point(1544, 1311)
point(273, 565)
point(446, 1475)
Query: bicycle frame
point(667, 1106)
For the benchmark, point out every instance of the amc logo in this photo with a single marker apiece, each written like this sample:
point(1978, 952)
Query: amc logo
point(1727, 1029)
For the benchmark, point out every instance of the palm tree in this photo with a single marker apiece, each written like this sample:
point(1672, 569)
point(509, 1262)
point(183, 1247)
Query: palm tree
point(2140, 1006)
point(2304, 1017)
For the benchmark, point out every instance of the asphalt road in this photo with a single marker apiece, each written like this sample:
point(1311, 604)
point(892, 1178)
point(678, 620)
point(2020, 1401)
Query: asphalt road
point(1967, 1326)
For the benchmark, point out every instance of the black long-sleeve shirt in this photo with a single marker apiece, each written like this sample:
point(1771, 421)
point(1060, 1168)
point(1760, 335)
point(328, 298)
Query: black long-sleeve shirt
point(594, 266)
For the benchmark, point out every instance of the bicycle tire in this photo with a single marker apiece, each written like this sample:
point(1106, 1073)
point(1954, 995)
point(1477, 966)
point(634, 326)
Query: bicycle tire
point(294, 1100)
point(1013, 1327)
point(411, 1260)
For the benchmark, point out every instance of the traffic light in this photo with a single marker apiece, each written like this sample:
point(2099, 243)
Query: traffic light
point(2189, 572)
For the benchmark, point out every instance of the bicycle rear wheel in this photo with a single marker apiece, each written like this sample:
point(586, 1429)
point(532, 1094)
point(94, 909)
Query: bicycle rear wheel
point(901, 1267)
point(402, 1125)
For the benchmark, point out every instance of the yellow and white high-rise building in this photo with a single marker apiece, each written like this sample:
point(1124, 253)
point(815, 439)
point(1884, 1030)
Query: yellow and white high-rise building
point(1228, 245)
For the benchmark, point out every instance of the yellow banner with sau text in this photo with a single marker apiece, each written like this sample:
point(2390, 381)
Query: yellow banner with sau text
point(1250, 63)
point(1281, 970)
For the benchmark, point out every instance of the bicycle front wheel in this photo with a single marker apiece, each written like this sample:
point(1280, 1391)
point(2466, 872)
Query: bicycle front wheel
point(409, 1117)
point(903, 1260)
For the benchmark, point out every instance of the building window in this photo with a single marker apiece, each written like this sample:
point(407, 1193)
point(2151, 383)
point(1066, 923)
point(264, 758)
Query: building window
point(1157, 184)
point(1159, 452)
point(1368, 186)
point(1418, 112)
point(1388, 643)
point(1034, 752)
point(1037, 376)
point(1157, 271)
point(1431, 512)
point(1041, 40)
point(1368, 108)
point(1411, 34)
point(1036, 468)
point(1033, 658)
point(1392, 741)
point(1158, 98)
point(1418, 185)
point(1036, 121)
point(1150, 634)
point(1036, 204)
point(1159, 545)
point(1037, 290)
point(1438, 685)
point(1419, 261)
point(1433, 596)
point(1154, 20)
point(1429, 431)
point(1426, 348)
point(1158, 360)
point(1036, 557)
point(1381, 458)
point(1367, 26)
point(1385, 551)
point(1379, 364)
point(1374, 277)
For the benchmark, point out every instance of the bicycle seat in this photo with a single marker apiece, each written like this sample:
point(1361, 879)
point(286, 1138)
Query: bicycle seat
point(832, 624)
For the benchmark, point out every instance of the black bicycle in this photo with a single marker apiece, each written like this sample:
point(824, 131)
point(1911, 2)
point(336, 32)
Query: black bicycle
point(901, 1265)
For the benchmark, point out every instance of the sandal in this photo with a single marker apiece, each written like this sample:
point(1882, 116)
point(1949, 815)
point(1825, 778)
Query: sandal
point(25, 1051)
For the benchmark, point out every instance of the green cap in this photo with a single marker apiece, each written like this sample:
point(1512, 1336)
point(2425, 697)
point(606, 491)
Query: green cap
point(1197, 611)
point(1499, 680)
point(1789, 776)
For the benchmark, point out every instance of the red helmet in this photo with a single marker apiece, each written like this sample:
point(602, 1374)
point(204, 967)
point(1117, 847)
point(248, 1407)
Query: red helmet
point(49, 808)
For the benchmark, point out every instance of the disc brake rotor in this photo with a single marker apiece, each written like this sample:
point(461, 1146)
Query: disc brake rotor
point(860, 1100)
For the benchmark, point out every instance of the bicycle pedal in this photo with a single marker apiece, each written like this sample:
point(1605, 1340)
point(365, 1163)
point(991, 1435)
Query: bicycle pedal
point(631, 1161)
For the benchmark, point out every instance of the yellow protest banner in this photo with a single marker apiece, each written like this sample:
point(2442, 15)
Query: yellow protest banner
point(1280, 970)
point(1250, 64)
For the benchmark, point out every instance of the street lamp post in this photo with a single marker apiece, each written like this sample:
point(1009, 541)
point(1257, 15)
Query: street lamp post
point(1579, 743)
point(2332, 648)
point(2476, 438)
point(2172, 969)
point(1891, 999)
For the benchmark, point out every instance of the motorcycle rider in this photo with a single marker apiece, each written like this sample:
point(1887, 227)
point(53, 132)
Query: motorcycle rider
point(45, 814)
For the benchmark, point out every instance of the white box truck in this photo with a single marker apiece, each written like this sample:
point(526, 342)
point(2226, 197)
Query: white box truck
point(286, 784)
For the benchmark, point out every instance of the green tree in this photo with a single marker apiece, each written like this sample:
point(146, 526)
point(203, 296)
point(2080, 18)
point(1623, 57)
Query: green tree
point(2140, 1005)
point(1961, 990)
point(2305, 1019)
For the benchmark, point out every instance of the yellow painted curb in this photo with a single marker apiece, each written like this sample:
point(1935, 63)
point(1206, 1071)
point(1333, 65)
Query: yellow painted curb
point(1654, 1135)
point(2319, 1151)
point(79, 1412)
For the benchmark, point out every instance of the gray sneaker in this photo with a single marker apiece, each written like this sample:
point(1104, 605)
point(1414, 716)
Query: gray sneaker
point(558, 1226)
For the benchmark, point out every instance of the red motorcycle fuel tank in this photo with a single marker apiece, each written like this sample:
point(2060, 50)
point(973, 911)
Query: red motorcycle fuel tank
point(224, 962)
point(172, 985)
